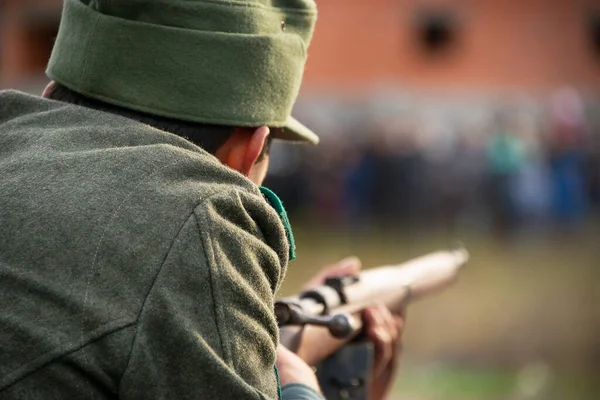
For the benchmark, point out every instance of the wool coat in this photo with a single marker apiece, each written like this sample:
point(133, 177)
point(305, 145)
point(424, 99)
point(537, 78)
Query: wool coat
point(133, 264)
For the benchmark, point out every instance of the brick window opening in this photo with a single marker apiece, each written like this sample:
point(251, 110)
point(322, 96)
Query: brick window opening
point(436, 32)
point(594, 32)
point(40, 41)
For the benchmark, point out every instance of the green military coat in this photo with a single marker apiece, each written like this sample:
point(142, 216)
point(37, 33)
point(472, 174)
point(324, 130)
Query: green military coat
point(133, 264)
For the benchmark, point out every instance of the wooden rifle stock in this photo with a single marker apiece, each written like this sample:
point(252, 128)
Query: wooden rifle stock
point(305, 325)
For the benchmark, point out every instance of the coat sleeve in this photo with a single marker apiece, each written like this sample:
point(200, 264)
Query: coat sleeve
point(298, 391)
point(207, 328)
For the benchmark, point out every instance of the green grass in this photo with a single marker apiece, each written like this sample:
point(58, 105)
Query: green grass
point(444, 382)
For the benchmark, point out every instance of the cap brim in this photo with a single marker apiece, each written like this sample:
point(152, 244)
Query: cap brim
point(295, 131)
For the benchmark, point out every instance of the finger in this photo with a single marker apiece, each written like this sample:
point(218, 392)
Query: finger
point(347, 266)
point(388, 322)
point(377, 333)
point(399, 323)
point(394, 326)
point(398, 330)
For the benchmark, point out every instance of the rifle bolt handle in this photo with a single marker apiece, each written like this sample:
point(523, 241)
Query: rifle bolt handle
point(341, 326)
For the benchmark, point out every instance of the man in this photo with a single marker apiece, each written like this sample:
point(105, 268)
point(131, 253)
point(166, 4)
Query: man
point(139, 258)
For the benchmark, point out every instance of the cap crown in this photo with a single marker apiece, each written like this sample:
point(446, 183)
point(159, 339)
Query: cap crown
point(230, 62)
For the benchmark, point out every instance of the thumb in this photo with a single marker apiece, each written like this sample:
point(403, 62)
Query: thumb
point(346, 266)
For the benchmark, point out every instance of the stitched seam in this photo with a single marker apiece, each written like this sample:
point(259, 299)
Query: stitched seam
point(190, 215)
point(210, 258)
point(43, 363)
point(84, 70)
point(101, 240)
point(233, 3)
point(134, 341)
point(207, 244)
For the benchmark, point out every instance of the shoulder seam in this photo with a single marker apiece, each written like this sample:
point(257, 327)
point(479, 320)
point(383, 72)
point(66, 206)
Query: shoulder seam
point(209, 255)
point(191, 215)
point(159, 270)
point(207, 244)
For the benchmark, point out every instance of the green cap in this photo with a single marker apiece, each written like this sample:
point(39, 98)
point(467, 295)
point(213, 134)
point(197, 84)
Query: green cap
point(225, 62)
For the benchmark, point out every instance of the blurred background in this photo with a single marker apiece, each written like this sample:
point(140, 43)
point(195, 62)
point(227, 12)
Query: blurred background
point(441, 121)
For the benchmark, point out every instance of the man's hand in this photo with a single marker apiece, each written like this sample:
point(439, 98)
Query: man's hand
point(347, 266)
point(293, 369)
point(385, 331)
point(381, 327)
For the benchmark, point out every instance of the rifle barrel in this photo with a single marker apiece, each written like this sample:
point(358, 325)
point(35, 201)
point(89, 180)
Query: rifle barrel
point(393, 285)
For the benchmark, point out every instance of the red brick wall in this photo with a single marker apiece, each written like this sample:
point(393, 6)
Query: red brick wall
point(27, 30)
point(526, 44)
point(531, 44)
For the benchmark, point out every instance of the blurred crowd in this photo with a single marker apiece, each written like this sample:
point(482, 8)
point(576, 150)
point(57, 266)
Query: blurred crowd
point(503, 167)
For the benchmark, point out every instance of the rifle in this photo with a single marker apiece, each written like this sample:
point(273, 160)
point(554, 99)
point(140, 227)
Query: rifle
point(323, 326)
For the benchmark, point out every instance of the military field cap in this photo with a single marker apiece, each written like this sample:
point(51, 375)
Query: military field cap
point(224, 62)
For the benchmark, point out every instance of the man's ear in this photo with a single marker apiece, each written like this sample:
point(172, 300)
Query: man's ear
point(48, 89)
point(243, 148)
